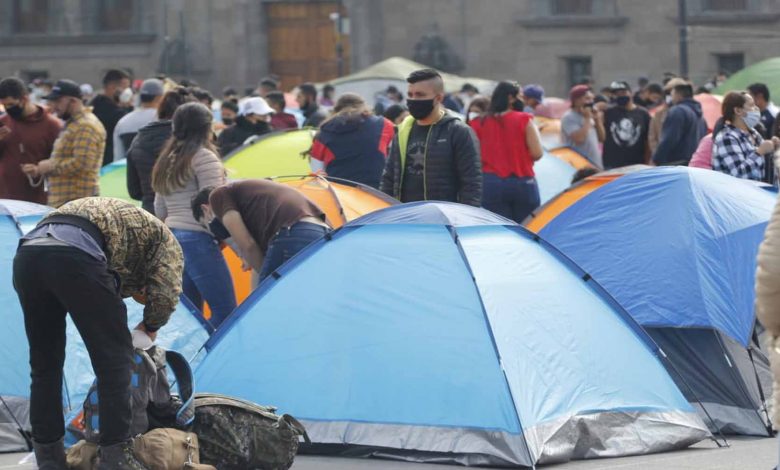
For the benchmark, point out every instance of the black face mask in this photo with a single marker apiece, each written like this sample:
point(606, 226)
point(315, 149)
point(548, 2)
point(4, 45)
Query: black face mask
point(228, 121)
point(622, 100)
point(16, 111)
point(420, 109)
point(218, 230)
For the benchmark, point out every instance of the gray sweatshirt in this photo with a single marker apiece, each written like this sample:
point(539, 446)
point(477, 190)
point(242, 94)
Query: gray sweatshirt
point(175, 208)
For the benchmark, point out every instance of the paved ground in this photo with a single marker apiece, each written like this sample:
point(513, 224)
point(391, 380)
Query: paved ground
point(744, 454)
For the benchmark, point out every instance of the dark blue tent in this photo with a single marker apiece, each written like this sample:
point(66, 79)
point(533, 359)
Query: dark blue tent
point(677, 248)
point(451, 334)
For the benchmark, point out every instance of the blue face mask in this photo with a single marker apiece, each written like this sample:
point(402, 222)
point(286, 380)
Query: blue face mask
point(752, 118)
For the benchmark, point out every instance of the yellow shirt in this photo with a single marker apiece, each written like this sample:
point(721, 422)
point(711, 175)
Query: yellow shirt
point(77, 157)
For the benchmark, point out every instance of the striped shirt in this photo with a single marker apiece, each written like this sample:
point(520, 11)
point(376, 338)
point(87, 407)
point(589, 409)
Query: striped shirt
point(77, 158)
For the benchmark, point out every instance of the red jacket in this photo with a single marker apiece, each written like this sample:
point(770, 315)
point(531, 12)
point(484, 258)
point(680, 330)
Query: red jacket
point(30, 141)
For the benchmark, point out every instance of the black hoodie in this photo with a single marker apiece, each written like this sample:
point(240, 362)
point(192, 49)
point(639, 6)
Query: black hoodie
point(141, 157)
point(682, 130)
point(234, 136)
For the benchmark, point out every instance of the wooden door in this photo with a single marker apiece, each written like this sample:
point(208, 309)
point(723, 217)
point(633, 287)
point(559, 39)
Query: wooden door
point(302, 42)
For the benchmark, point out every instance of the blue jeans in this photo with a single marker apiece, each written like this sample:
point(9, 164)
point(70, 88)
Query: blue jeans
point(514, 198)
point(206, 274)
point(288, 242)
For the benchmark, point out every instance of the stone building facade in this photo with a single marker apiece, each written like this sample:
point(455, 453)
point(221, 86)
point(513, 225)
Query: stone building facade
point(236, 42)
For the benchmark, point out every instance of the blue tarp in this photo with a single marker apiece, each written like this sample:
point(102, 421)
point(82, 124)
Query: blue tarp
point(450, 330)
point(675, 246)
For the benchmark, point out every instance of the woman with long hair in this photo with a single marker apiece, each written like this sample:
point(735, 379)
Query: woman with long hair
point(187, 164)
point(739, 150)
point(353, 143)
point(146, 147)
point(510, 145)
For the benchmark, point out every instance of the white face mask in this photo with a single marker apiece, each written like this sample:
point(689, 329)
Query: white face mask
point(669, 99)
point(126, 95)
point(473, 115)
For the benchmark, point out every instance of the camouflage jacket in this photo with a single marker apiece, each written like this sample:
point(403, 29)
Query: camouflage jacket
point(140, 249)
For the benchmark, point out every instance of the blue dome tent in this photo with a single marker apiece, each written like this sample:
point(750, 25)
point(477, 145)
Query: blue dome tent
point(184, 333)
point(453, 335)
point(676, 247)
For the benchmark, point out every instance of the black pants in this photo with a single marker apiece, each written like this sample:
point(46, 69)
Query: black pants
point(52, 281)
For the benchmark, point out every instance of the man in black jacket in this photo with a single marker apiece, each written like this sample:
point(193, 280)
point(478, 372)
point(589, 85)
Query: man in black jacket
point(435, 155)
point(307, 100)
point(254, 117)
point(109, 108)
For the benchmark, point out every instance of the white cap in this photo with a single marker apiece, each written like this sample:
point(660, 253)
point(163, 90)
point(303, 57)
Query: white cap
point(86, 89)
point(254, 105)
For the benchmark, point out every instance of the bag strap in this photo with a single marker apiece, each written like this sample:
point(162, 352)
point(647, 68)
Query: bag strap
point(184, 379)
point(297, 426)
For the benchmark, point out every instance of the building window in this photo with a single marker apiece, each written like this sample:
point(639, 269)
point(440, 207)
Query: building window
point(571, 7)
point(724, 5)
point(730, 63)
point(578, 69)
point(30, 16)
point(116, 15)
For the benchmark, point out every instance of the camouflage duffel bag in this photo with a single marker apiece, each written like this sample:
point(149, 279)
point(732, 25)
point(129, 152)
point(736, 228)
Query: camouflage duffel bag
point(239, 435)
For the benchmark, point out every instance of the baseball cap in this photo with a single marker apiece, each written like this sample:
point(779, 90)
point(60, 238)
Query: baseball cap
point(152, 87)
point(577, 92)
point(619, 86)
point(255, 105)
point(64, 88)
point(534, 91)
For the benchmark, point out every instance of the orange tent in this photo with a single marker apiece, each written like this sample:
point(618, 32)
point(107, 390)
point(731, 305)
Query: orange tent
point(341, 200)
point(542, 216)
point(572, 157)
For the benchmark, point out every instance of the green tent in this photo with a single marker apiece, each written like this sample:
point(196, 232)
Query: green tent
point(113, 181)
point(275, 154)
point(766, 71)
point(397, 69)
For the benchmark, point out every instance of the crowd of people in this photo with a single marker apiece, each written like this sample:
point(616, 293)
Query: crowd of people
point(425, 144)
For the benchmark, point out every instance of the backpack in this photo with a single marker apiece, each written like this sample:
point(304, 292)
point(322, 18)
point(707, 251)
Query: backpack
point(239, 435)
point(159, 449)
point(153, 404)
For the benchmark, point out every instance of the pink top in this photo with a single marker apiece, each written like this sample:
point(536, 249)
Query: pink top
point(702, 157)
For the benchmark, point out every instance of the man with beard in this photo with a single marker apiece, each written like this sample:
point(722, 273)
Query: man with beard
point(27, 135)
point(109, 108)
point(307, 100)
point(73, 170)
point(253, 119)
